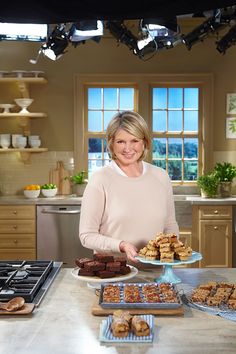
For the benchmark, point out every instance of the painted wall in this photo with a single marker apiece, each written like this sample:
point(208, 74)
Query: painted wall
point(56, 98)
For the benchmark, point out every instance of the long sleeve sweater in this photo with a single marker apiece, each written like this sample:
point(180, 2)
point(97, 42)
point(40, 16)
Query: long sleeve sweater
point(118, 208)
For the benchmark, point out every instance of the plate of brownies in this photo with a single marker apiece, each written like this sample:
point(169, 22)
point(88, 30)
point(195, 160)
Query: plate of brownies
point(103, 268)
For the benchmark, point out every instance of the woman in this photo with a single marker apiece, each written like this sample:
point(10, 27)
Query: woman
point(128, 202)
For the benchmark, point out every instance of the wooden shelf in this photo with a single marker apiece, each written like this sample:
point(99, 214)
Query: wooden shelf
point(29, 115)
point(24, 118)
point(23, 150)
point(30, 80)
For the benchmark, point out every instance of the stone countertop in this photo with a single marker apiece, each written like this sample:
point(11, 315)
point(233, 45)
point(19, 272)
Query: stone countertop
point(57, 200)
point(208, 201)
point(73, 199)
point(63, 323)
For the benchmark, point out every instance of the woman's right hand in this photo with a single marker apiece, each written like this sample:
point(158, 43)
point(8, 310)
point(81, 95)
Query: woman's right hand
point(130, 250)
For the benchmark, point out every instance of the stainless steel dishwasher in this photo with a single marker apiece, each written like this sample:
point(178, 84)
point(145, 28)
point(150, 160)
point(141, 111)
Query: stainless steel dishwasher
point(58, 234)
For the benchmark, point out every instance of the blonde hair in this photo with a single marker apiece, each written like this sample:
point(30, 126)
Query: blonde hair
point(133, 124)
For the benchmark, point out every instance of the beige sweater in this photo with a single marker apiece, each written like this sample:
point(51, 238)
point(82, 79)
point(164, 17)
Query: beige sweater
point(133, 209)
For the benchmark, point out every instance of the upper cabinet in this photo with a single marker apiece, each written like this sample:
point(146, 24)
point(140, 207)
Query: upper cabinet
point(23, 116)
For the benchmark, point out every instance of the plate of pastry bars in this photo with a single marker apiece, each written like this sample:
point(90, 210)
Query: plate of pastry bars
point(139, 295)
point(213, 297)
point(107, 334)
point(196, 256)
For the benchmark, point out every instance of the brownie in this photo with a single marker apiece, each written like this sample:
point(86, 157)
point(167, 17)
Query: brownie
point(94, 266)
point(85, 272)
point(113, 266)
point(103, 257)
point(81, 261)
point(105, 274)
point(124, 270)
point(122, 260)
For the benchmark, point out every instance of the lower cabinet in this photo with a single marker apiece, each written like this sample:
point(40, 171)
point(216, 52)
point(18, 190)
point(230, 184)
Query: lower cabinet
point(212, 235)
point(17, 232)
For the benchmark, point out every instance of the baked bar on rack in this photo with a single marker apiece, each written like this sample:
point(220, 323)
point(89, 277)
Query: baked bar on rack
point(132, 294)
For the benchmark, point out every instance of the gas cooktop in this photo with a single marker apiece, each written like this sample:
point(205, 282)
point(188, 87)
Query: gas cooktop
point(29, 279)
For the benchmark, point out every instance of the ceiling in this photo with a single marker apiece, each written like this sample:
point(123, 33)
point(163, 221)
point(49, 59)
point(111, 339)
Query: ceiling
point(57, 11)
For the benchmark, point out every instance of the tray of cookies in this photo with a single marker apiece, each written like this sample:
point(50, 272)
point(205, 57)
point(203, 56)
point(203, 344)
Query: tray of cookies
point(139, 295)
point(214, 296)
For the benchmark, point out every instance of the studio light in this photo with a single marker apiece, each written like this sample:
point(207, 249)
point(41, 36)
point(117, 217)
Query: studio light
point(164, 33)
point(23, 32)
point(56, 43)
point(123, 35)
point(213, 24)
point(227, 41)
point(83, 30)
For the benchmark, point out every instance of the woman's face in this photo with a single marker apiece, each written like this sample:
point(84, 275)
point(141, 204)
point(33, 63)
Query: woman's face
point(127, 147)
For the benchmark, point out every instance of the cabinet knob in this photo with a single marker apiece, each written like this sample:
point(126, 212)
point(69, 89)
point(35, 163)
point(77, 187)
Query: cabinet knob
point(216, 212)
point(15, 227)
point(14, 212)
point(215, 227)
point(15, 241)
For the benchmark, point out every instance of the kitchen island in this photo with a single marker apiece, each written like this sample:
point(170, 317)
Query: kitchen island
point(63, 323)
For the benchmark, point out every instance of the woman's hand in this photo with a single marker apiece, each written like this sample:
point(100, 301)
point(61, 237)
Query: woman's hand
point(130, 250)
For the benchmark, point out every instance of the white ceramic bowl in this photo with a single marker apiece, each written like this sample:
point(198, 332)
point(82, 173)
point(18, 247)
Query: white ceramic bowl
point(32, 193)
point(35, 143)
point(49, 192)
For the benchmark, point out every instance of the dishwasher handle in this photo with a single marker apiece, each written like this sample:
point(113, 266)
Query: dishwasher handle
point(76, 211)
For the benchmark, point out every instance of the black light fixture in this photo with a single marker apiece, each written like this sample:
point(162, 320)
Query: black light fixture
point(227, 41)
point(82, 30)
point(213, 24)
point(162, 33)
point(56, 44)
point(123, 34)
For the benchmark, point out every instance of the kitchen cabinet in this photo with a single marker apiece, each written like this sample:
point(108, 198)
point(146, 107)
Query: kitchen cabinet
point(17, 232)
point(24, 119)
point(212, 234)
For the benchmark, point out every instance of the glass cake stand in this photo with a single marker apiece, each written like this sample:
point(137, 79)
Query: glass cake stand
point(168, 276)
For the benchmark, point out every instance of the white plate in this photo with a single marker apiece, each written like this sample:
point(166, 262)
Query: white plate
point(119, 278)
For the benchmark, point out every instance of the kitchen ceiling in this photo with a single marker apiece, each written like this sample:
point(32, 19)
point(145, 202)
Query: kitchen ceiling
point(57, 11)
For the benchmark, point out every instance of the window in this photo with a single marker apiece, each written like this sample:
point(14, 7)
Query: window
point(103, 103)
point(175, 129)
point(177, 108)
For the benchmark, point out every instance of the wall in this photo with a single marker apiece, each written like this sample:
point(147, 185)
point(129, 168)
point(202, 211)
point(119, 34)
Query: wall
point(56, 98)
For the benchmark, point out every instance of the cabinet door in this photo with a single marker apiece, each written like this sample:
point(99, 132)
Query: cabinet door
point(17, 226)
point(215, 243)
point(17, 255)
point(17, 212)
point(215, 212)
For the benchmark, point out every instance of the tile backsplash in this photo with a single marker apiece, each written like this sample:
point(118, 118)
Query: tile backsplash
point(14, 174)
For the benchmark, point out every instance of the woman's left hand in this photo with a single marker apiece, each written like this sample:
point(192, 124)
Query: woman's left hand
point(130, 250)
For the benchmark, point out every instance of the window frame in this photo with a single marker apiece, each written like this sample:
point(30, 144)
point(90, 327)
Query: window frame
point(182, 134)
point(143, 104)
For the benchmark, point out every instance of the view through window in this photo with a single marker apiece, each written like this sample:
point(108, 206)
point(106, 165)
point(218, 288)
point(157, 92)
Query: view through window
point(175, 124)
point(103, 103)
point(175, 128)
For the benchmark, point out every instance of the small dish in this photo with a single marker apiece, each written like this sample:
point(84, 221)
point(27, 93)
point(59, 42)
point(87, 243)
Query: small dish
point(31, 193)
point(6, 107)
point(49, 192)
